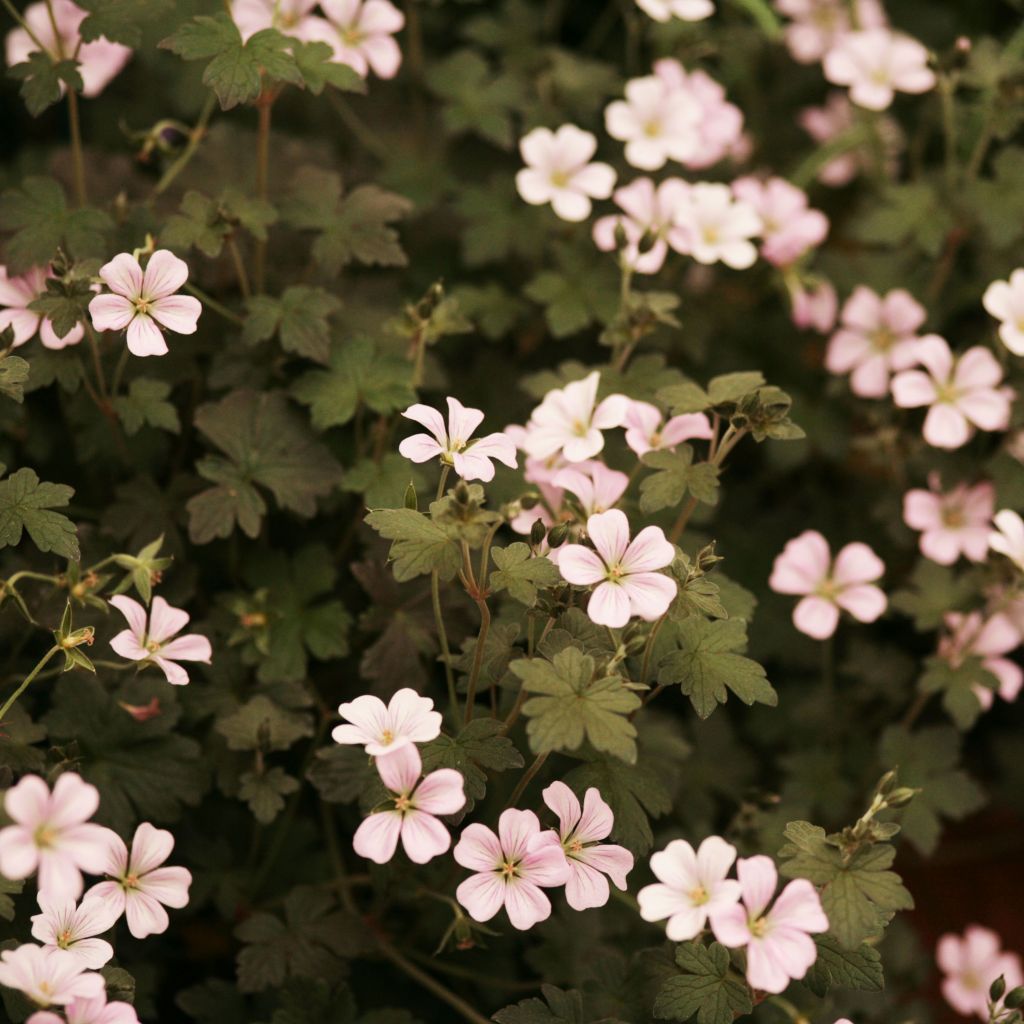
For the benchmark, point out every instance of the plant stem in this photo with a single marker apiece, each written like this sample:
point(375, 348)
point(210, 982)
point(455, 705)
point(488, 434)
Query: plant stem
point(28, 679)
point(16, 15)
point(208, 300)
point(478, 657)
point(538, 763)
point(195, 138)
point(243, 277)
point(763, 15)
point(263, 106)
point(649, 646)
point(442, 633)
point(77, 161)
point(122, 363)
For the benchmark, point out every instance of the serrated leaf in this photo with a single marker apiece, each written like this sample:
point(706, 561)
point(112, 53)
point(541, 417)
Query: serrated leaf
point(419, 545)
point(265, 792)
point(121, 21)
point(14, 372)
point(958, 684)
point(319, 68)
point(521, 573)
point(27, 504)
point(146, 403)
point(44, 80)
point(704, 989)
point(731, 387)
point(675, 476)
point(859, 969)
point(300, 317)
point(261, 724)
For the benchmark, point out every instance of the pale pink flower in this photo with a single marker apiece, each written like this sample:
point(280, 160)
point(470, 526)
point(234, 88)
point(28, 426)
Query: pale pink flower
point(953, 524)
point(411, 809)
point(406, 719)
point(65, 925)
point(454, 444)
point(293, 18)
point(962, 392)
point(712, 225)
point(806, 567)
point(548, 509)
point(815, 306)
point(570, 420)
point(989, 639)
point(99, 61)
point(139, 887)
point(361, 35)
point(971, 963)
point(52, 834)
point(647, 431)
point(684, 10)
point(49, 977)
point(818, 25)
point(657, 121)
point(15, 295)
point(145, 302)
point(648, 215)
point(511, 869)
point(150, 640)
point(559, 171)
point(1008, 536)
point(1005, 301)
point(789, 227)
point(876, 64)
point(597, 487)
point(89, 1011)
point(826, 123)
point(778, 941)
point(625, 573)
point(691, 886)
point(877, 336)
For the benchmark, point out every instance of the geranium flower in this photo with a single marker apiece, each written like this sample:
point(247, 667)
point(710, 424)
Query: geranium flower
point(684, 10)
point(952, 524)
point(580, 831)
point(411, 810)
point(360, 35)
point(139, 887)
point(1005, 301)
point(15, 295)
point(471, 459)
point(815, 306)
point(293, 18)
point(150, 641)
point(98, 61)
point(971, 963)
point(379, 729)
point(52, 834)
point(713, 226)
point(818, 25)
point(559, 171)
point(1008, 537)
point(656, 121)
point(877, 336)
point(691, 886)
point(145, 302)
point(597, 487)
point(625, 572)
point(49, 977)
point(511, 869)
point(876, 64)
point(570, 420)
point(65, 925)
point(806, 567)
point(962, 392)
point(789, 227)
point(778, 941)
point(89, 1011)
point(988, 639)
point(647, 430)
point(648, 215)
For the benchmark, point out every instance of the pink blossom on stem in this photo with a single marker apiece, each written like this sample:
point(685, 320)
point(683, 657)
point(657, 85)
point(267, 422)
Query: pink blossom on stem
point(815, 306)
point(143, 303)
point(149, 639)
point(648, 215)
point(952, 524)
point(293, 18)
point(597, 487)
point(647, 431)
point(15, 295)
point(411, 810)
point(806, 567)
point(691, 886)
point(580, 831)
point(778, 940)
point(1008, 537)
point(89, 1011)
point(876, 64)
point(623, 572)
point(1005, 301)
point(990, 640)
point(65, 925)
point(49, 977)
point(684, 10)
point(789, 227)
point(511, 868)
point(962, 392)
point(139, 887)
point(52, 834)
point(657, 121)
point(360, 33)
point(406, 719)
point(971, 963)
point(713, 226)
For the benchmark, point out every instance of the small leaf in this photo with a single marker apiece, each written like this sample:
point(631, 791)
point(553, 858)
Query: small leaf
point(521, 573)
point(44, 80)
point(27, 504)
point(146, 403)
point(704, 988)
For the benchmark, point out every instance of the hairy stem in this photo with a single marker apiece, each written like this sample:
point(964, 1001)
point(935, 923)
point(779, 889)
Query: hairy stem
point(219, 309)
point(77, 160)
point(28, 679)
point(538, 763)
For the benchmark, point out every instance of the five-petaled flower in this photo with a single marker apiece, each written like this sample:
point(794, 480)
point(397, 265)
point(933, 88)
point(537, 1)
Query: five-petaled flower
point(16, 293)
point(657, 121)
point(648, 431)
point(970, 964)
point(712, 225)
point(360, 33)
point(379, 728)
point(953, 523)
point(49, 977)
point(876, 64)
point(149, 639)
point(65, 925)
point(1005, 301)
point(95, 1010)
point(789, 227)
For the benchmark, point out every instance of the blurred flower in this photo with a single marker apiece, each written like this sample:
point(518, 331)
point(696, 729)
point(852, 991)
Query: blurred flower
point(953, 524)
point(291, 17)
point(49, 977)
point(712, 225)
point(597, 487)
point(1005, 301)
point(815, 306)
point(816, 26)
point(1008, 536)
point(406, 719)
point(63, 925)
point(15, 295)
point(988, 639)
point(89, 1011)
point(646, 430)
point(877, 63)
point(789, 226)
point(685, 10)
point(360, 35)
point(648, 215)
point(151, 640)
point(657, 121)
point(971, 963)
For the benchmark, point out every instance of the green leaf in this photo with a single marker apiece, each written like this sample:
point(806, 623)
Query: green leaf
point(859, 969)
point(43, 80)
point(300, 316)
point(7, 890)
point(581, 291)
point(958, 685)
point(557, 1007)
point(419, 545)
point(383, 484)
point(318, 68)
point(676, 475)
point(521, 573)
point(343, 774)
point(207, 223)
point(121, 21)
point(683, 398)
point(27, 504)
point(709, 662)
point(729, 388)
point(265, 792)
point(704, 988)
point(146, 403)
point(910, 214)
point(262, 724)
point(13, 374)
point(932, 591)
point(572, 705)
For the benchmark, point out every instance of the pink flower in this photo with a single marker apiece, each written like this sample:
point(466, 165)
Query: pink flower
point(1005, 301)
point(624, 572)
point(691, 886)
point(988, 639)
point(806, 567)
point(410, 810)
point(360, 35)
point(145, 302)
point(646, 431)
point(570, 420)
point(63, 925)
point(971, 964)
point(52, 834)
point(151, 641)
point(1008, 537)
point(580, 831)
point(408, 718)
point(877, 63)
point(597, 487)
point(712, 225)
point(815, 306)
point(291, 17)
point(877, 337)
point(815, 28)
point(657, 121)
point(952, 524)
point(99, 61)
point(963, 392)
point(511, 869)
point(778, 941)
point(649, 213)
point(454, 445)
point(49, 977)
point(826, 123)
point(685, 10)
point(89, 1011)
point(140, 887)
point(15, 295)
point(559, 171)
point(788, 226)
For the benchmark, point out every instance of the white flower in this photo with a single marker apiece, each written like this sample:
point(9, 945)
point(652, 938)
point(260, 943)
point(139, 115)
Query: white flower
point(684, 10)
point(876, 64)
point(407, 718)
point(1008, 537)
point(657, 121)
point(63, 925)
point(712, 225)
point(1005, 301)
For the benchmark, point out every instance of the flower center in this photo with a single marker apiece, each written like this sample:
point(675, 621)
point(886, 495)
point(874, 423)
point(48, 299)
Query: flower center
point(142, 306)
point(652, 129)
point(579, 428)
point(699, 896)
point(758, 926)
point(387, 737)
point(152, 646)
point(883, 339)
point(508, 869)
point(560, 179)
point(45, 836)
point(616, 573)
point(953, 518)
point(573, 846)
point(403, 803)
point(971, 980)
point(710, 235)
point(351, 36)
point(64, 938)
point(130, 881)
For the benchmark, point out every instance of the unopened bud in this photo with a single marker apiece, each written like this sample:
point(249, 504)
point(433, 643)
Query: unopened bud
point(886, 783)
point(537, 532)
point(410, 500)
point(558, 534)
point(461, 493)
point(707, 559)
point(621, 238)
point(647, 242)
point(900, 797)
point(529, 501)
point(996, 989)
point(1015, 997)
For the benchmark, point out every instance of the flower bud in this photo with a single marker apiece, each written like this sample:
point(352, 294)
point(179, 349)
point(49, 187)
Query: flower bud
point(621, 239)
point(537, 532)
point(529, 501)
point(900, 797)
point(996, 989)
point(410, 500)
point(886, 783)
point(558, 534)
point(1014, 998)
point(461, 493)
